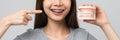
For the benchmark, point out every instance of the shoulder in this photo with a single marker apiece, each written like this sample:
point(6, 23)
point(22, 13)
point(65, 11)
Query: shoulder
point(29, 34)
point(81, 33)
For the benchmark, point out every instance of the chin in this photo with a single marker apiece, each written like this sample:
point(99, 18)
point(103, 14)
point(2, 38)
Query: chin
point(57, 19)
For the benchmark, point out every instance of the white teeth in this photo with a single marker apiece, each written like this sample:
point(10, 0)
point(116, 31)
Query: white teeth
point(56, 10)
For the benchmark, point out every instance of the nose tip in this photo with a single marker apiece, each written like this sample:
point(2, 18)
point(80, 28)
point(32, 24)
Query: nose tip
point(57, 3)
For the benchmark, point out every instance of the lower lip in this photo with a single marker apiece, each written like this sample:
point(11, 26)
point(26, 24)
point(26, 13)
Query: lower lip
point(56, 13)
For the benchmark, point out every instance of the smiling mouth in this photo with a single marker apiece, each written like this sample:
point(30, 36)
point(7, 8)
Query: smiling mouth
point(57, 10)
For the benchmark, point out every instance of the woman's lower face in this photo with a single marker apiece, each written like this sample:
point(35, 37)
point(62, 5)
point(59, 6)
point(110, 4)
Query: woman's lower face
point(57, 9)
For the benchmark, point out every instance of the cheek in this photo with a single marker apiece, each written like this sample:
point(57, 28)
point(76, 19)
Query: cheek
point(67, 3)
point(67, 6)
point(46, 6)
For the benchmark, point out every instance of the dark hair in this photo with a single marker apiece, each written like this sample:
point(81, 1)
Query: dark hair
point(41, 19)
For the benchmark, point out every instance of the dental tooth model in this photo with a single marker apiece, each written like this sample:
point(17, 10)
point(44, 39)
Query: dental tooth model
point(86, 12)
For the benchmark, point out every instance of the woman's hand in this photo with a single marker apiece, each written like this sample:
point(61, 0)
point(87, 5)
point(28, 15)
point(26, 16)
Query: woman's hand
point(103, 22)
point(18, 18)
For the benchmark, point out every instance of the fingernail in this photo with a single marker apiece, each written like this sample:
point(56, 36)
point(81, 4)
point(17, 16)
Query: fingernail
point(40, 10)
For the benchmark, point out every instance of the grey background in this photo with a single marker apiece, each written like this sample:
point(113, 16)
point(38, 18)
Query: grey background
point(111, 8)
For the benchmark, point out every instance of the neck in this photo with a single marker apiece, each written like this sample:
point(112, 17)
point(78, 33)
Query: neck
point(56, 28)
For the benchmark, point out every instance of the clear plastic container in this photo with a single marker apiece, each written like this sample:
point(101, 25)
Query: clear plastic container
point(86, 12)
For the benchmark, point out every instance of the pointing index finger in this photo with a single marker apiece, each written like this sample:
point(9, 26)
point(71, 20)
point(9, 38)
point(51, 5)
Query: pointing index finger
point(33, 11)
